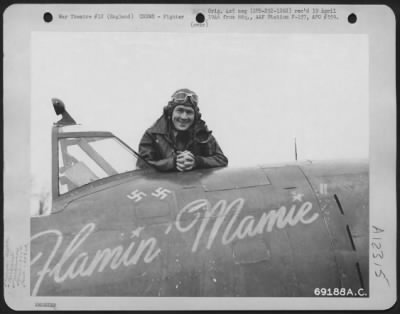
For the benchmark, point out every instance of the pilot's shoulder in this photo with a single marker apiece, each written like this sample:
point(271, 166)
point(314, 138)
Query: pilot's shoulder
point(158, 127)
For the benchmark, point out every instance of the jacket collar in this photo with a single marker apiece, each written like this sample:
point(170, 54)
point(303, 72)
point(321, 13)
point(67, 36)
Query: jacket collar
point(160, 126)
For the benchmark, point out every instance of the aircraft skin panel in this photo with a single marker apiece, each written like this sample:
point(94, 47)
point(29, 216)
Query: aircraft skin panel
point(224, 179)
point(342, 190)
point(204, 233)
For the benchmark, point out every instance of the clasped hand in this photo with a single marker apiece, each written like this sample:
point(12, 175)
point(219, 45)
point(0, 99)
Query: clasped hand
point(185, 161)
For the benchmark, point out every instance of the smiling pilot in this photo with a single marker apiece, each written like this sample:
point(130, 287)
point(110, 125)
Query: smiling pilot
point(179, 139)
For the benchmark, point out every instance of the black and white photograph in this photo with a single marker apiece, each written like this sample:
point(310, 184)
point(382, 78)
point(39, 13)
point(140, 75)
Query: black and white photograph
point(177, 153)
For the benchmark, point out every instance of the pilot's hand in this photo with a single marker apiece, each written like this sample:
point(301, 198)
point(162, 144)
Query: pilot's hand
point(185, 161)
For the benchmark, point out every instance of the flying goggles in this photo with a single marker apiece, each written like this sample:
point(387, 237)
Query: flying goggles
point(181, 97)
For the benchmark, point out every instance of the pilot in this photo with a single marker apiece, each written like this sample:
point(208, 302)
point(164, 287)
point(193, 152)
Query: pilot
point(180, 140)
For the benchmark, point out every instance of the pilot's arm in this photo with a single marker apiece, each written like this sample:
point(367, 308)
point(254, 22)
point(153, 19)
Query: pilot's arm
point(210, 155)
point(148, 151)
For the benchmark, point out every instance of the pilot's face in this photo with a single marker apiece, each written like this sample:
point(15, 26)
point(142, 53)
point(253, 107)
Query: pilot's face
point(182, 117)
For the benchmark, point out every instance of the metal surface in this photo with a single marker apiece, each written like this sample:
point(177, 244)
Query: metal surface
point(282, 230)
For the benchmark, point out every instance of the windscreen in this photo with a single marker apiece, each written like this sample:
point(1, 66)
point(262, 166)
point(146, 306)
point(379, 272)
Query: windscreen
point(87, 159)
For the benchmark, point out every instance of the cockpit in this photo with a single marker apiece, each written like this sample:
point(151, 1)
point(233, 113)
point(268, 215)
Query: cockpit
point(77, 157)
point(85, 157)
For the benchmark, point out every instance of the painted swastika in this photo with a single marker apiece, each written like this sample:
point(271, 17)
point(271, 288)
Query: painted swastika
point(136, 196)
point(161, 193)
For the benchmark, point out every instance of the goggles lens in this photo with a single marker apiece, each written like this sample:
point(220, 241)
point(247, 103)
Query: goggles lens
point(181, 97)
